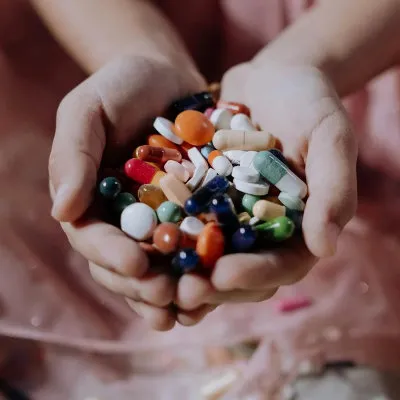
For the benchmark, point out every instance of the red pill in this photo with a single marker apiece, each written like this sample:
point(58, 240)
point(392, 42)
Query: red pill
point(140, 171)
point(157, 154)
point(235, 108)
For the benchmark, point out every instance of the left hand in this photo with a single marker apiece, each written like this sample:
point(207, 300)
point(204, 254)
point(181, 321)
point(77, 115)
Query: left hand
point(300, 107)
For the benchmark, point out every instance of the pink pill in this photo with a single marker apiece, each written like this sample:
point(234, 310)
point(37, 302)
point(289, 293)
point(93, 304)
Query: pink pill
point(189, 166)
point(180, 172)
point(294, 303)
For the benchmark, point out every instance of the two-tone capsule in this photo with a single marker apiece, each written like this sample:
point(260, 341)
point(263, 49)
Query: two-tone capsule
point(159, 155)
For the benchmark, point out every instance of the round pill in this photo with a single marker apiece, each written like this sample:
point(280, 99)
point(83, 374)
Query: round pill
point(110, 187)
point(277, 229)
point(248, 201)
point(234, 155)
point(166, 128)
point(161, 141)
point(192, 226)
point(245, 174)
point(247, 159)
point(138, 221)
point(169, 212)
point(185, 261)
point(210, 245)
point(244, 239)
point(266, 210)
point(241, 122)
point(194, 127)
point(221, 118)
point(166, 237)
point(174, 168)
point(257, 189)
point(122, 201)
point(292, 202)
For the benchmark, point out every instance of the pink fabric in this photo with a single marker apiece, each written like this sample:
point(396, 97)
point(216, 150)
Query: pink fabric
point(85, 342)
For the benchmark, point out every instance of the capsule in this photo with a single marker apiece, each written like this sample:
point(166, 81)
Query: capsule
point(222, 206)
point(151, 195)
point(158, 155)
point(206, 150)
point(266, 210)
point(200, 102)
point(220, 163)
point(277, 229)
point(242, 140)
point(210, 245)
point(235, 108)
point(241, 122)
point(175, 190)
point(201, 198)
point(142, 172)
point(279, 174)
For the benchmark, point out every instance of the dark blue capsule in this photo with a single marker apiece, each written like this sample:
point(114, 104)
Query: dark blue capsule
point(206, 150)
point(278, 154)
point(201, 198)
point(185, 260)
point(223, 208)
point(110, 187)
point(199, 102)
point(243, 239)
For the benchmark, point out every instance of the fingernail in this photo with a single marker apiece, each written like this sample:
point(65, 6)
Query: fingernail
point(59, 201)
point(333, 232)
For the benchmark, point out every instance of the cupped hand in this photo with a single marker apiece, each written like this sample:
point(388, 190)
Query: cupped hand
point(299, 106)
point(96, 125)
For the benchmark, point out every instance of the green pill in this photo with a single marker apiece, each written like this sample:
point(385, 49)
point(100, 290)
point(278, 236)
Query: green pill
point(110, 187)
point(248, 202)
point(169, 212)
point(277, 229)
point(122, 201)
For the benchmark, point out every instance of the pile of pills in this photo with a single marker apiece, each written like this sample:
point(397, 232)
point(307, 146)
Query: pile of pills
point(202, 186)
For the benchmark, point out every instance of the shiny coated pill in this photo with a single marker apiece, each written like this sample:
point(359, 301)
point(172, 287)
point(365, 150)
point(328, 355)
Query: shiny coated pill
point(277, 229)
point(224, 209)
point(246, 174)
point(221, 118)
point(192, 226)
point(210, 245)
point(157, 154)
point(169, 212)
point(161, 141)
point(175, 190)
point(257, 189)
point(220, 163)
point(185, 261)
point(138, 221)
point(244, 239)
point(151, 195)
point(241, 122)
point(122, 201)
point(166, 128)
point(177, 169)
point(140, 171)
point(266, 210)
point(242, 140)
point(248, 201)
point(167, 237)
point(110, 187)
point(206, 150)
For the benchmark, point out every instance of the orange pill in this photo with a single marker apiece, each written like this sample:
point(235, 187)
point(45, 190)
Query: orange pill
point(194, 127)
point(235, 108)
point(210, 244)
point(161, 141)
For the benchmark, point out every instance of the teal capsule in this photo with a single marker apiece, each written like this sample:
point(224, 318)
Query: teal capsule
point(122, 201)
point(169, 212)
point(248, 202)
point(277, 229)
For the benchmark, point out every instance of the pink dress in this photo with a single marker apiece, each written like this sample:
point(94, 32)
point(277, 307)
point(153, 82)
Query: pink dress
point(84, 341)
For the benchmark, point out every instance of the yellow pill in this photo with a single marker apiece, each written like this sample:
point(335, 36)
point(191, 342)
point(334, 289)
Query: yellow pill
point(175, 190)
point(151, 195)
point(244, 217)
point(225, 139)
point(266, 210)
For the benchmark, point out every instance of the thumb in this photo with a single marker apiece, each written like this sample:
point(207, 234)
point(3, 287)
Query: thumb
point(76, 153)
point(332, 183)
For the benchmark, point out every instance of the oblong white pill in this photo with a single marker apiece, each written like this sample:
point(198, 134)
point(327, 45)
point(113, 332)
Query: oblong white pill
point(189, 166)
point(192, 226)
point(138, 221)
point(222, 165)
point(246, 174)
point(221, 118)
point(247, 159)
point(197, 159)
point(197, 177)
point(174, 168)
point(242, 122)
point(291, 202)
point(166, 128)
point(210, 174)
point(257, 189)
point(234, 155)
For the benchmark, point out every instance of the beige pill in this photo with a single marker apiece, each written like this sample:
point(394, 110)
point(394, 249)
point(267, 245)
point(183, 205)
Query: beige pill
point(175, 190)
point(244, 217)
point(241, 140)
point(266, 210)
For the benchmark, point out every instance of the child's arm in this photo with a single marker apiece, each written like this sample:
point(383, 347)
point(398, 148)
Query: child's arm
point(97, 31)
point(351, 41)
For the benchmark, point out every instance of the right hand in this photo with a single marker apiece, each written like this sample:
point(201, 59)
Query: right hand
point(96, 124)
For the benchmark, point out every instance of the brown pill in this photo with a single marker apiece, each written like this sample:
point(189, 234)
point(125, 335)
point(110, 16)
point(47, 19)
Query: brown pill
point(167, 237)
point(158, 155)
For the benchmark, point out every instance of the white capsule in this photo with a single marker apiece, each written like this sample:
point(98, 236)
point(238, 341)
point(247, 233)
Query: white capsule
point(291, 202)
point(221, 118)
point(197, 177)
point(166, 128)
point(222, 165)
point(210, 174)
point(192, 226)
point(247, 159)
point(246, 174)
point(197, 159)
point(138, 221)
point(254, 221)
point(257, 189)
point(173, 167)
point(234, 155)
point(242, 122)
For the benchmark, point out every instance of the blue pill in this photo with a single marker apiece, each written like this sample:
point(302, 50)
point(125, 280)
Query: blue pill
point(199, 102)
point(185, 260)
point(222, 206)
point(201, 198)
point(244, 239)
point(206, 150)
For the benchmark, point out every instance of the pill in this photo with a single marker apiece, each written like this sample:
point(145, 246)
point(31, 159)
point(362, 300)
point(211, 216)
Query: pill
point(174, 168)
point(184, 149)
point(222, 206)
point(185, 261)
point(278, 154)
point(197, 177)
point(234, 155)
point(247, 159)
point(296, 216)
point(244, 239)
point(199, 101)
point(277, 229)
point(201, 198)
point(138, 221)
point(192, 226)
point(208, 112)
point(292, 202)
point(210, 245)
point(279, 174)
point(157, 154)
point(257, 189)
point(235, 108)
point(241, 140)
point(206, 150)
point(294, 303)
point(151, 195)
point(220, 163)
point(167, 237)
point(248, 201)
point(110, 187)
point(189, 166)
point(161, 141)
point(241, 122)
point(221, 118)
point(210, 174)
point(245, 174)
point(166, 128)
point(266, 210)
point(175, 190)
point(196, 158)
point(194, 127)
point(169, 212)
point(141, 172)
point(254, 221)
point(244, 217)
point(122, 201)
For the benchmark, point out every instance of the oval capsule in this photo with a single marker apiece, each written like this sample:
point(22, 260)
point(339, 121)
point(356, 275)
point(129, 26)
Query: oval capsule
point(242, 140)
point(210, 245)
point(158, 155)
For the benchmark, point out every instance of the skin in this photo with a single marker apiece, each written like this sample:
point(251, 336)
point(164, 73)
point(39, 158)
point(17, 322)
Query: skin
point(132, 83)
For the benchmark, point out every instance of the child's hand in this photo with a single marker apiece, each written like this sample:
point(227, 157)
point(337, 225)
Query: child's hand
point(98, 121)
point(298, 106)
